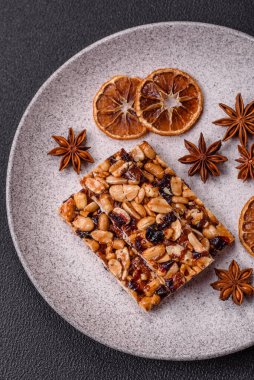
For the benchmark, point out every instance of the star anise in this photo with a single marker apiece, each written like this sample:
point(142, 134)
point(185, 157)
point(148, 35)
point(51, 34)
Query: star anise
point(234, 282)
point(246, 167)
point(72, 150)
point(204, 160)
point(240, 120)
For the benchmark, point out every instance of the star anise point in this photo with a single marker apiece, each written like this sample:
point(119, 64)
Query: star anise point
point(72, 150)
point(204, 160)
point(239, 121)
point(234, 282)
point(246, 161)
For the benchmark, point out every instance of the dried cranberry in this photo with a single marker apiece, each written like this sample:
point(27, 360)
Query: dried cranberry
point(219, 242)
point(138, 244)
point(196, 255)
point(118, 219)
point(133, 285)
point(137, 287)
point(95, 219)
point(170, 284)
point(133, 174)
point(103, 248)
point(125, 156)
point(165, 182)
point(165, 266)
point(131, 226)
point(197, 227)
point(201, 223)
point(167, 197)
point(143, 179)
point(136, 273)
point(165, 194)
point(112, 160)
point(167, 220)
point(162, 291)
point(83, 234)
point(133, 223)
point(165, 188)
point(154, 235)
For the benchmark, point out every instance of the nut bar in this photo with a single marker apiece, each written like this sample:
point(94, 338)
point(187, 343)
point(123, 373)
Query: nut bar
point(97, 232)
point(180, 197)
point(145, 220)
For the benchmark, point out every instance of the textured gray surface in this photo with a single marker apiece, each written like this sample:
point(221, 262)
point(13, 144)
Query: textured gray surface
point(66, 274)
point(36, 342)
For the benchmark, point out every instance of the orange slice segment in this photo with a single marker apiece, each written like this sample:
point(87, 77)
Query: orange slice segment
point(168, 102)
point(113, 109)
point(246, 226)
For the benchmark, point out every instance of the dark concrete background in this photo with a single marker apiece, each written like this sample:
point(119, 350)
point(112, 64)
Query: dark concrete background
point(36, 37)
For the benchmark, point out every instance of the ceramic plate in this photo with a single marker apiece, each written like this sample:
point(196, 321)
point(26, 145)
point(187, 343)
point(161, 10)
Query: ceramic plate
point(194, 323)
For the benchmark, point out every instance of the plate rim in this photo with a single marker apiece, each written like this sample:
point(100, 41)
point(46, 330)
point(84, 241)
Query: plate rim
point(50, 302)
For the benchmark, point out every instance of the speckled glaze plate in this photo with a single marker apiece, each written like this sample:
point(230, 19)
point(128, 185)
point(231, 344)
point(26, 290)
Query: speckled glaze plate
point(194, 323)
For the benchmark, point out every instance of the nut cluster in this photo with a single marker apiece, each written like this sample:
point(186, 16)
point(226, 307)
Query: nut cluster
point(95, 229)
point(127, 189)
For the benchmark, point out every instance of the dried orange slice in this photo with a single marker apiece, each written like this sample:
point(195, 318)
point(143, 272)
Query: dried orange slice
point(246, 226)
point(113, 108)
point(168, 102)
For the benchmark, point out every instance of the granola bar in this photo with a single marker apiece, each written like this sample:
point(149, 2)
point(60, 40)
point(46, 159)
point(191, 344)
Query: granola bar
point(146, 221)
point(97, 232)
